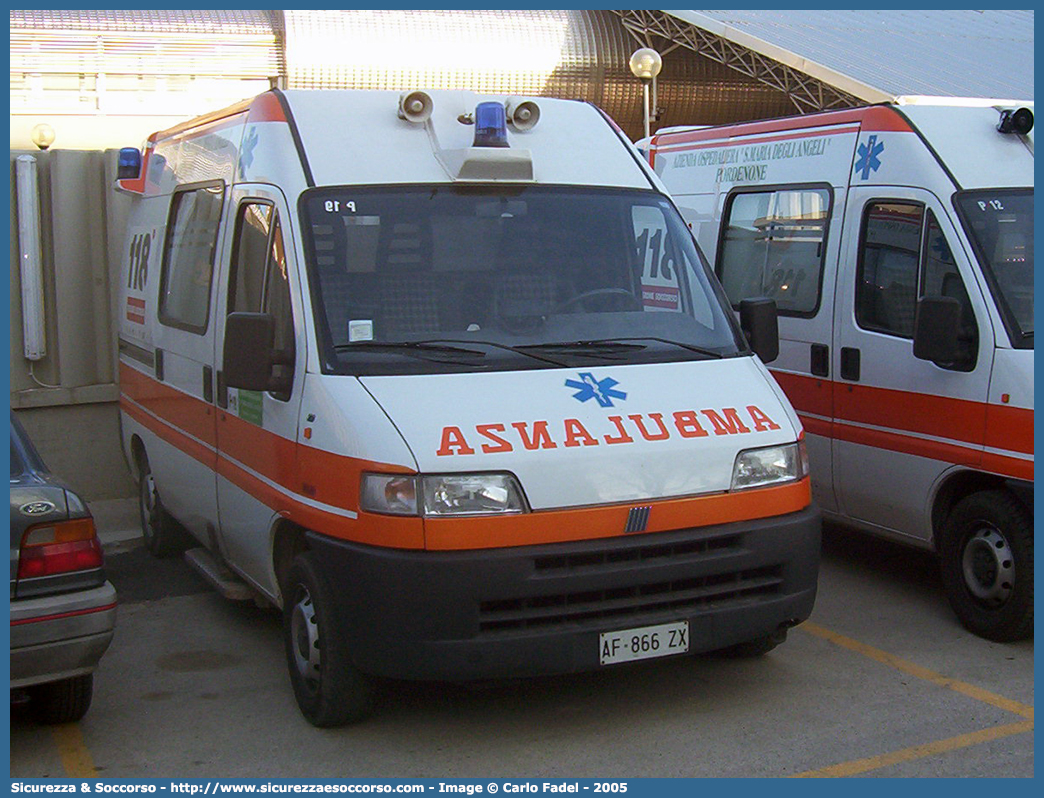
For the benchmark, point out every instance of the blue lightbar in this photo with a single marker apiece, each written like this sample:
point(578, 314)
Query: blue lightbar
point(128, 165)
point(490, 125)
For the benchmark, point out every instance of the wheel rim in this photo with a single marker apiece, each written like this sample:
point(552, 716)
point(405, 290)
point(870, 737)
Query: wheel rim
point(148, 506)
point(304, 640)
point(989, 566)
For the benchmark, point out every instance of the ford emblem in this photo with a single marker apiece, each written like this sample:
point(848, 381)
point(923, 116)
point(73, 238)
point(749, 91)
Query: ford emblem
point(37, 508)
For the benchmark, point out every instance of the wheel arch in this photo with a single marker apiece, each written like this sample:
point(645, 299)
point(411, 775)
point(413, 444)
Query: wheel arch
point(288, 540)
point(956, 486)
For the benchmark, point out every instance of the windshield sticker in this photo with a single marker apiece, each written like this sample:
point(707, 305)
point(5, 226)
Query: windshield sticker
point(360, 330)
point(603, 391)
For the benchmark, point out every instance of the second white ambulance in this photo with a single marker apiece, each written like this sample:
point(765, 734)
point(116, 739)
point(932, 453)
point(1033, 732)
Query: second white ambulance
point(897, 242)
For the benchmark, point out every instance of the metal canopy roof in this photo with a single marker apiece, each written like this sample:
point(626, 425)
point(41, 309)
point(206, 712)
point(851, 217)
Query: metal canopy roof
point(826, 59)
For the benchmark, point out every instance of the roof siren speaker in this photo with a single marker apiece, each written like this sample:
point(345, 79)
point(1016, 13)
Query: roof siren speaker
point(522, 114)
point(1018, 121)
point(415, 106)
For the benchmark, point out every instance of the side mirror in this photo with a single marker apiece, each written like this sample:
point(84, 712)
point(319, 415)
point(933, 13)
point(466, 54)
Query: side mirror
point(760, 325)
point(249, 351)
point(937, 324)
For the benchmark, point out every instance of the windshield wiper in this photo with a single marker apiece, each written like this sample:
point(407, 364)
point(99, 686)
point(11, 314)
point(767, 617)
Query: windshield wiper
point(605, 350)
point(441, 346)
point(609, 347)
point(423, 346)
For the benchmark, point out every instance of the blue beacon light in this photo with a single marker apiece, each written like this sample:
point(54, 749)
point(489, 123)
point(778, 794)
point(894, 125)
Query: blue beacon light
point(490, 125)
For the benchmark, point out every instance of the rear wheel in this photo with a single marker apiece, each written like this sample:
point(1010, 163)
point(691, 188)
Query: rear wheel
point(986, 557)
point(62, 702)
point(328, 689)
point(162, 535)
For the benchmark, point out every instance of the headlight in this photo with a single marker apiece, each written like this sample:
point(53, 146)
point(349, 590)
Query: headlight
point(442, 495)
point(471, 494)
point(757, 467)
point(393, 494)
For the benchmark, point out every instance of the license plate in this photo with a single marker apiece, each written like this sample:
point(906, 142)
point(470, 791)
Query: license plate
point(644, 642)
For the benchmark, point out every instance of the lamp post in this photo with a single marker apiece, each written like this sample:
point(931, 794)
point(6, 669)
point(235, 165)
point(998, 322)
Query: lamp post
point(42, 135)
point(646, 64)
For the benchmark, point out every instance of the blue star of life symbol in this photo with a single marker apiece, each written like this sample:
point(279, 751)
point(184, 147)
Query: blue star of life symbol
point(246, 156)
point(868, 160)
point(603, 391)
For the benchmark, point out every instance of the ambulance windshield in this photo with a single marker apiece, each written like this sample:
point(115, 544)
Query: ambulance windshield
point(444, 278)
point(1000, 225)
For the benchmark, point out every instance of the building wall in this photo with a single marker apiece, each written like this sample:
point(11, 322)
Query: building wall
point(68, 398)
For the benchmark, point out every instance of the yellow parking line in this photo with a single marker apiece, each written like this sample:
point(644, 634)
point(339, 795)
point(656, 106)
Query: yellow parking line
point(76, 759)
point(970, 690)
point(917, 752)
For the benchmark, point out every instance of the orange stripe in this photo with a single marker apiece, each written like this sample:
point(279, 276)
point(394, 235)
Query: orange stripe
point(873, 119)
point(907, 444)
point(401, 532)
point(334, 480)
point(807, 394)
point(266, 108)
point(926, 414)
point(915, 414)
point(589, 523)
point(1009, 428)
point(182, 410)
point(174, 437)
point(1007, 466)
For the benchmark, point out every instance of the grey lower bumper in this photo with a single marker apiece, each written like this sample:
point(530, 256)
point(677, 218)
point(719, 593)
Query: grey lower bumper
point(55, 637)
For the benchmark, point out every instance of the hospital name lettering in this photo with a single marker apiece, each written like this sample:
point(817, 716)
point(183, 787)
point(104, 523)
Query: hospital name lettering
point(532, 435)
point(750, 162)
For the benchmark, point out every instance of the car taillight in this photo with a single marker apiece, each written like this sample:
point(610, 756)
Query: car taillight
point(59, 548)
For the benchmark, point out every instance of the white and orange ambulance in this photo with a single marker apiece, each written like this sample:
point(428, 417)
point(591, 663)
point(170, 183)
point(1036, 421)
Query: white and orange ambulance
point(897, 243)
point(446, 378)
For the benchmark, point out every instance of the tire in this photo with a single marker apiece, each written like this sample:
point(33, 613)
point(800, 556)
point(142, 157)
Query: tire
point(986, 559)
point(62, 702)
point(329, 690)
point(163, 536)
point(757, 647)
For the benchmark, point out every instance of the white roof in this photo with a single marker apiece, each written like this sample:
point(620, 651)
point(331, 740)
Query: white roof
point(879, 55)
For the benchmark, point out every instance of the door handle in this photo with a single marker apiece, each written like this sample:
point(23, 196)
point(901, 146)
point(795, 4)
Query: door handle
point(208, 384)
point(849, 363)
point(820, 360)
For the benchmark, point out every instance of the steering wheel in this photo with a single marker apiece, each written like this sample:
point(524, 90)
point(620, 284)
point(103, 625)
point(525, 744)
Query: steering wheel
point(632, 302)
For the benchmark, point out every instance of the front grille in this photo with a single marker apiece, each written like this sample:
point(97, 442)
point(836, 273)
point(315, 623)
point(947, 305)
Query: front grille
point(649, 554)
point(681, 595)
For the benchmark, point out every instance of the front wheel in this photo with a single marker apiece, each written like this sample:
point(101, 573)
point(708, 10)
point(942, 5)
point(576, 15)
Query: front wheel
point(986, 557)
point(329, 690)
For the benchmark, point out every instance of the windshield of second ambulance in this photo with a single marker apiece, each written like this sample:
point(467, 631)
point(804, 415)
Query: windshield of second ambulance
point(445, 278)
point(1000, 224)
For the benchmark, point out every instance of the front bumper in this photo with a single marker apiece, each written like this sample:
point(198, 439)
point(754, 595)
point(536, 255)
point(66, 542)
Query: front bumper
point(55, 637)
point(532, 610)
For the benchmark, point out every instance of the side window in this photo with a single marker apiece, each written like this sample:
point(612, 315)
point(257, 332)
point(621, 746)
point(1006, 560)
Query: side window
point(277, 302)
point(258, 281)
point(773, 246)
point(886, 285)
point(939, 277)
point(247, 280)
point(904, 255)
point(188, 258)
